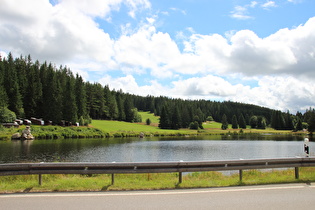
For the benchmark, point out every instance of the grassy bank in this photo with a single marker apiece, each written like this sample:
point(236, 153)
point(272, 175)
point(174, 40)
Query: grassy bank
point(107, 128)
point(62, 183)
point(54, 132)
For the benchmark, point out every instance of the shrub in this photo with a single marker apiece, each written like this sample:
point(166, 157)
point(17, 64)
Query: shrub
point(6, 115)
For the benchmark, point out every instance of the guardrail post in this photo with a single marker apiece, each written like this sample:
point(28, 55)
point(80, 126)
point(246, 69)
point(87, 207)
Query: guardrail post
point(39, 179)
point(297, 175)
point(241, 175)
point(180, 178)
point(113, 179)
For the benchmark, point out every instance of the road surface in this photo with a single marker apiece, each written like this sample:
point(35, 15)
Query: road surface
point(286, 196)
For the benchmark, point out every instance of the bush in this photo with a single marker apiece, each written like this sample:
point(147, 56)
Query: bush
point(194, 125)
point(6, 115)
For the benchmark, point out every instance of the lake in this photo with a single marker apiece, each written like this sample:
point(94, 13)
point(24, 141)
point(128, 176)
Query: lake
point(203, 148)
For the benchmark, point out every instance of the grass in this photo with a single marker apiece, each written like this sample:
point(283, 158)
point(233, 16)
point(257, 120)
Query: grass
point(106, 128)
point(147, 115)
point(62, 183)
point(54, 132)
point(122, 129)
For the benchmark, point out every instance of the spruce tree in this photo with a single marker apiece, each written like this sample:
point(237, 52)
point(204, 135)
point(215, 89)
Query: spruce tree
point(234, 122)
point(224, 122)
point(3, 93)
point(165, 122)
point(128, 110)
point(299, 126)
point(81, 101)
point(11, 85)
point(311, 122)
point(69, 101)
point(176, 120)
point(241, 122)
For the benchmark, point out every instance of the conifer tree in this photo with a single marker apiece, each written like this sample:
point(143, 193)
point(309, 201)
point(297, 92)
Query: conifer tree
point(224, 122)
point(128, 110)
point(234, 122)
point(299, 126)
point(69, 101)
point(241, 122)
point(311, 122)
point(81, 101)
point(3, 93)
point(176, 120)
point(52, 98)
point(11, 85)
point(120, 106)
point(165, 122)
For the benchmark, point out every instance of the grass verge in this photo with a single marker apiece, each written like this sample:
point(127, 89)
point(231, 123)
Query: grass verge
point(66, 183)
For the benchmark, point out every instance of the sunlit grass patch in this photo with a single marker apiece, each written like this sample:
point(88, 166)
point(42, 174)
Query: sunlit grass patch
point(147, 181)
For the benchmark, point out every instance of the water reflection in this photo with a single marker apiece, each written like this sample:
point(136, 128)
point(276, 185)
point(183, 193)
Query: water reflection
point(153, 149)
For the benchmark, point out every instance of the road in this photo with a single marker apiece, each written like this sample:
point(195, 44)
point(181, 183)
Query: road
point(286, 196)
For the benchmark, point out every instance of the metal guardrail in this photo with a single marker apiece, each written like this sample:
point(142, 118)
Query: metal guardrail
point(152, 167)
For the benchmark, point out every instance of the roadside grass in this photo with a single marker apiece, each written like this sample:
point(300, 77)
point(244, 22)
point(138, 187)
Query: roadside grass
point(154, 181)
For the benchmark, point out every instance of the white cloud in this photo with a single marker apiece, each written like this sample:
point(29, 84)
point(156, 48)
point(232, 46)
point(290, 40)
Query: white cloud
point(243, 12)
point(240, 12)
point(72, 37)
point(66, 31)
point(281, 93)
point(103, 8)
point(178, 10)
point(295, 1)
point(128, 84)
point(269, 4)
point(253, 4)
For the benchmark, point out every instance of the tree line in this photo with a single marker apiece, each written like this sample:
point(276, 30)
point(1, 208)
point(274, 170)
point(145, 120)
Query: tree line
point(42, 90)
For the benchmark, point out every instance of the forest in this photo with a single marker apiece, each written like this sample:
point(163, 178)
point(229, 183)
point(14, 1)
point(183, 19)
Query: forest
point(42, 90)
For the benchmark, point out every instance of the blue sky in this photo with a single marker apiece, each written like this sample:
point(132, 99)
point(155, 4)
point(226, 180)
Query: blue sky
point(260, 52)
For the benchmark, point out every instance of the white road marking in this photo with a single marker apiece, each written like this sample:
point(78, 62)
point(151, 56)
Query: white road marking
point(166, 192)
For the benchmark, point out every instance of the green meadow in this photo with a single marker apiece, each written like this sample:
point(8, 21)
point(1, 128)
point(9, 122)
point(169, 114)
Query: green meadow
point(121, 129)
point(109, 128)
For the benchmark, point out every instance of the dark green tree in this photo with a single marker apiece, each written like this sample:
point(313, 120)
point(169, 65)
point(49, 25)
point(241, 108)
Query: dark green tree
point(165, 121)
point(299, 125)
point(253, 121)
point(277, 120)
point(311, 122)
point(234, 122)
point(224, 122)
point(3, 93)
point(120, 105)
point(110, 104)
point(11, 85)
point(81, 98)
point(69, 101)
point(176, 120)
point(261, 122)
point(33, 93)
point(128, 109)
point(52, 97)
point(242, 122)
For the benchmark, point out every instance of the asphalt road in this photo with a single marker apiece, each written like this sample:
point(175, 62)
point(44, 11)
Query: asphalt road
point(286, 196)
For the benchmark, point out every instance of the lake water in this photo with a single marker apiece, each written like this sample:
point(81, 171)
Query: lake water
point(204, 148)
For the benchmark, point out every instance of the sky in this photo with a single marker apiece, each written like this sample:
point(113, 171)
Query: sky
point(259, 52)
